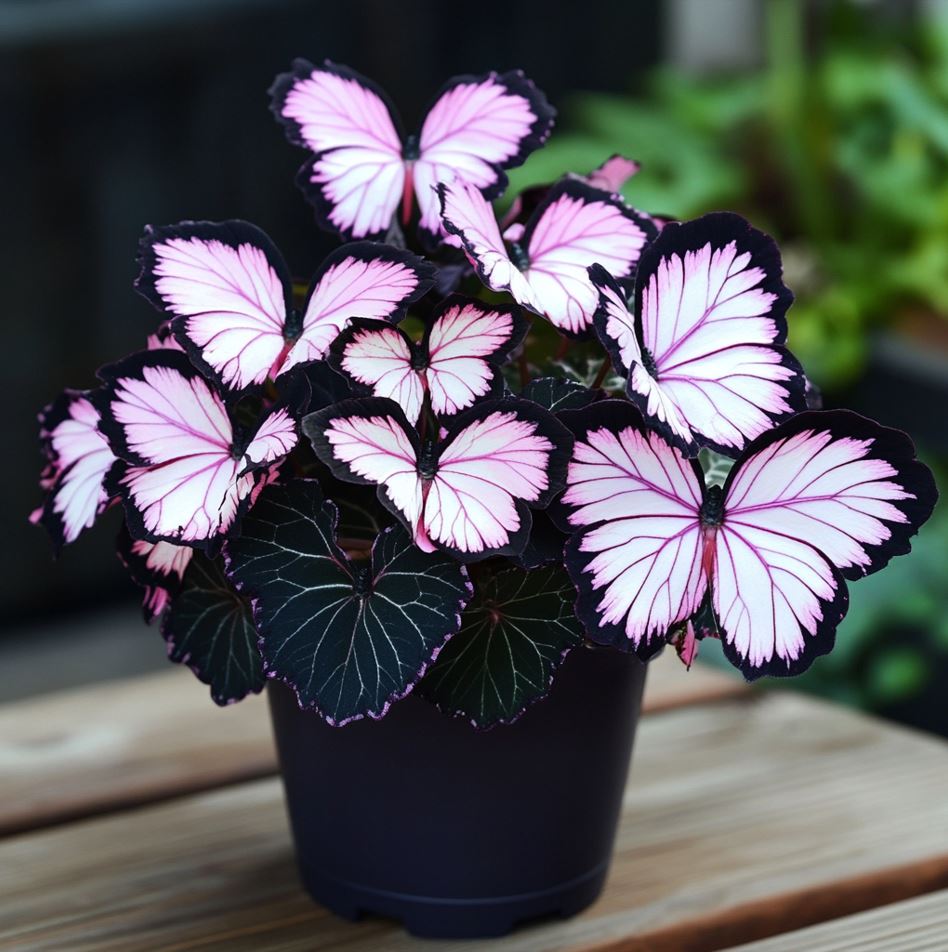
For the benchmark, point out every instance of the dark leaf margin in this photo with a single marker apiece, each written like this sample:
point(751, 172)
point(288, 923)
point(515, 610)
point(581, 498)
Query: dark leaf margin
point(369, 252)
point(516, 83)
point(895, 448)
point(544, 545)
point(890, 445)
point(233, 233)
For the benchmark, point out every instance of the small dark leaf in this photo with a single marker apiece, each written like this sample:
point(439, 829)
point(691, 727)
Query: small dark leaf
point(544, 546)
point(209, 627)
point(360, 517)
point(449, 276)
point(514, 634)
point(350, 637)
point(556, 394)
point(326, 387)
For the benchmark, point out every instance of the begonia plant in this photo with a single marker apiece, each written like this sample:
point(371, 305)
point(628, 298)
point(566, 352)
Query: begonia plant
point(472, 445)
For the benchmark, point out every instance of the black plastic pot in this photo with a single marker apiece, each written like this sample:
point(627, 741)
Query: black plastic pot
point(456, 832)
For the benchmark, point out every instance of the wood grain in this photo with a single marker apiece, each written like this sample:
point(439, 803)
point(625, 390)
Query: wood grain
point(732, 809)
point(109, 747)
point(917, 925)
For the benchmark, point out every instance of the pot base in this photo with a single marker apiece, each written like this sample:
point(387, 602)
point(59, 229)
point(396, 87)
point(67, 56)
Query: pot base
point(459, 833)
point(440, 918)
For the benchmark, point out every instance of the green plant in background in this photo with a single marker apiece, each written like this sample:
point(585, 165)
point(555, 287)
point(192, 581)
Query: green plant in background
point(841, 151)
point(838, 145)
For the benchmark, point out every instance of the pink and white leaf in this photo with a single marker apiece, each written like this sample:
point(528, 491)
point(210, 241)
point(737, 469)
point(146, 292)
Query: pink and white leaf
point(158, 567)
point(477, 127)
point(574, 227)
point(471, 492)
point(78, 460)
point(356, 176)
point(183, 480)
point(703, 349)
point(364, 279)
point(228, 290)
point(633, 503)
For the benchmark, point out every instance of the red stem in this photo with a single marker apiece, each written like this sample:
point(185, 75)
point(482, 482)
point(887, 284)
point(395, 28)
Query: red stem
point(408, 194)
point(601, 376)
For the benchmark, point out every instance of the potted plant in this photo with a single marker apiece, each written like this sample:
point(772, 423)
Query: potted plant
point(418, 514)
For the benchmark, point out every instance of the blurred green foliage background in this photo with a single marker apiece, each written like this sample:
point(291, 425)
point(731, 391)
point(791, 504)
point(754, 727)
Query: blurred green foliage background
point(837, 144)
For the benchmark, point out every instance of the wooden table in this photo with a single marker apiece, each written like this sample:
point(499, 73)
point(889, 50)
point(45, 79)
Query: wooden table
point(135, 816)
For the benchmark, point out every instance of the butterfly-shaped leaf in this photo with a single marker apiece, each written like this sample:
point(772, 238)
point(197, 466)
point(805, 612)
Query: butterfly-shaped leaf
point(363, 168)
point(514, 634)
point(456, 363)
point(188, 473)
point(350, 637)
point(826, 496)
point(209, 627)
point(229, 294)
point(703, 350)
point(546, 271)
point(470, 491)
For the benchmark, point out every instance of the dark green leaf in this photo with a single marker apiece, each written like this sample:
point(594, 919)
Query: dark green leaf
point(556, 394)
point(209, 627)
point(514, 635)
point(350, 637)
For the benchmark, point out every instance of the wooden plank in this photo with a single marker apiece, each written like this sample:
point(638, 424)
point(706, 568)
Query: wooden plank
point(917, 925)
point(670, 685)
point(110, 746)
point(738, 819)
point(107, 747)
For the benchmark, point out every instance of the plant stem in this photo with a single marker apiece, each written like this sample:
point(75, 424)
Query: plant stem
point(601, 376)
